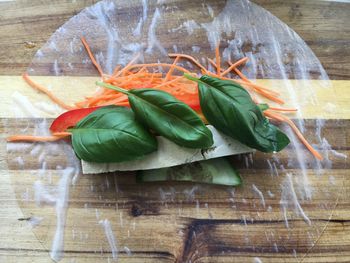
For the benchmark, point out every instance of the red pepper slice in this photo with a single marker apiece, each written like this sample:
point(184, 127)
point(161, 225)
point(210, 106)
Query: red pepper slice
point(190, 100)
point(70, 119)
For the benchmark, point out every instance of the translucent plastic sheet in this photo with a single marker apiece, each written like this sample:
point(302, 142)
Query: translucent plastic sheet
point(291, 193)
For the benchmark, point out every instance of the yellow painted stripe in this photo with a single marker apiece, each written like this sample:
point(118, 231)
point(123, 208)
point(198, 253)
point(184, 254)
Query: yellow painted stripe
point(317, 99)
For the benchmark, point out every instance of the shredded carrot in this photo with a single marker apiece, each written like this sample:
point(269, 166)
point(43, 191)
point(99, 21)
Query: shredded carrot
point(190, 58)
point(112, 79)
point(285, 119)
point(236, 64)
point(92, 58)
point(127, 66)
point(47, 92)
point(272, 116)
point(254, 85)
point(212, 62)
point(283, 109)
point(116, 70)
point(152, 65)
point(171, 69)
point(241, 75)
point(81, 104)
point(117, 97)
point(218, 59)
point(168, 82)
point(29, 138)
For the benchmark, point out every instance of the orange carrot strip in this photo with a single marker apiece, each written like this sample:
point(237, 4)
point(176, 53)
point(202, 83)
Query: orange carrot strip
point(262, 92)
point(254, 85)
point(218, 59)
point(46, 92)
point(140, 73)
point(283, 109)
point(29, 138)
point(108, 91)
point(112, 102)
point(81, 104)
point(190, 58)
point(234, 65)
point(92, 58)
point(94, 101)
point(297, 132)
point(241, 75)
point(151, 65)
point(135, 58)
point(116, 70)
point(272, 116)
point(212, 62)
point(168, 82)
point(171, 69)
point(257, 87)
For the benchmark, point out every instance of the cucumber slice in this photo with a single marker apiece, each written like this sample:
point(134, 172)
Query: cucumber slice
point(214, 171)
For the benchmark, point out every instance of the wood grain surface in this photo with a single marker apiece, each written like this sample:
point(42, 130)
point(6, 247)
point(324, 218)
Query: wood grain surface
point(26, 26)
point(179, 222)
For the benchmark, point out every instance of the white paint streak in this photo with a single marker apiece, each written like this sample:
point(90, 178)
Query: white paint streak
point(260, 194)
point(190, 26)
point(127, 251)
point(210, 11)
point(35, 221)
point(152, 38)
point(289, 199)
point(23, 103)
point(42, 194)
point(56, 252)
point(110, 237)
point(56, 68)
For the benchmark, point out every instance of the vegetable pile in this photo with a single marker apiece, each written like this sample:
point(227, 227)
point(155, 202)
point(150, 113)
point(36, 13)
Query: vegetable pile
point(120, 120)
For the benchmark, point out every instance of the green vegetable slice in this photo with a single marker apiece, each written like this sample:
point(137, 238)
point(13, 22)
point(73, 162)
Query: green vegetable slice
point(111, 134)
point(214, 171)
point(168, 116)
point(229, 107)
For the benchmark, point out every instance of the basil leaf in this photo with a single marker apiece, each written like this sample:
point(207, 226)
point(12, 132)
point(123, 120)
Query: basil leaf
point(168, 116)
point(229, 107)
point(263, 106)
point(111, 134)
point(214, 171)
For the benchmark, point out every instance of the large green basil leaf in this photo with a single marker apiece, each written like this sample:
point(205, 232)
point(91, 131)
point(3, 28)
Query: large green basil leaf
point(111, 134)
point(229, 107)
point(168, 116)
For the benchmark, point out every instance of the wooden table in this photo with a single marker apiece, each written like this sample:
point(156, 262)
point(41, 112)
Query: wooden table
point(168, 222)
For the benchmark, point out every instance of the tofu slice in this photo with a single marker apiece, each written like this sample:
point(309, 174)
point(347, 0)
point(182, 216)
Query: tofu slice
point(170, 154)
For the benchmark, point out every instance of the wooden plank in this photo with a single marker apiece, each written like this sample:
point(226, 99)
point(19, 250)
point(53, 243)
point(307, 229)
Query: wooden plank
point(318, 22)
point(180, 224)
point(323, 24)
point(317, 98)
